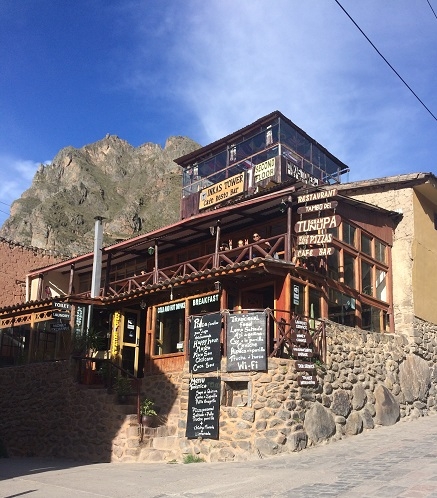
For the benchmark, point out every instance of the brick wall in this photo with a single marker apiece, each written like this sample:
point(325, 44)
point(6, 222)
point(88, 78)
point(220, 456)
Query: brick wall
point(16, 261)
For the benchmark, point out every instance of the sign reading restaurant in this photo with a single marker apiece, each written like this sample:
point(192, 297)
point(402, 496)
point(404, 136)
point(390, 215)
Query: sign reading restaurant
point(221, 191)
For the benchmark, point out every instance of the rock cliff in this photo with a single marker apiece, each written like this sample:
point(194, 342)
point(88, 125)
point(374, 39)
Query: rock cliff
point(136, 189)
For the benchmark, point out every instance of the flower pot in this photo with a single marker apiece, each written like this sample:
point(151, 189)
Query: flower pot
point(147, 420)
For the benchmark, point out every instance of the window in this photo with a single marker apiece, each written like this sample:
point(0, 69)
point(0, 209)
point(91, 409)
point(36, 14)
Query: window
point(380, 284)
point(373, 319)
point(349, 270)
point(366, 278)
point(341, 308)
point(333, 265)
point(380, 250)
point(170, 325)
point(348, 234)
point(366, 244)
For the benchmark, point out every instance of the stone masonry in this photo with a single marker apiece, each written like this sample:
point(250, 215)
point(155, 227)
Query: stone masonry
point(368, 380)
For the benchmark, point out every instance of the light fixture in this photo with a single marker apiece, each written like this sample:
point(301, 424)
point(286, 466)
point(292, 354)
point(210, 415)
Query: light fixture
point(151, 251)
point(143, 304)
point(212, 230)
point(283, 206)
point(171, 293)
point(217, 286)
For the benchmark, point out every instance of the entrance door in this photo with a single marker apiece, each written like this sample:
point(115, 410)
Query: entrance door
point(130, 343)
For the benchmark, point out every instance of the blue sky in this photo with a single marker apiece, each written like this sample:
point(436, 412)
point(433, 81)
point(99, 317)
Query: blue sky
point(72, 71)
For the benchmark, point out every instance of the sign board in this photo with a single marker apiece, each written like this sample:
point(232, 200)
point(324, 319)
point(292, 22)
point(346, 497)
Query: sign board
point(296, 299)
point(221, 191)
point(301, 337)
point(264, 170)
point(316, 224)
point(65, 315)
point(61, 306)
point(316, 196)
point(299, 174)
point(316, 251)
point(203, 408)
point(307, 380)
point(311, 208)
point(314, 238)
point(205, 353)
point(304, 366)
point(246, 342)
point(298, 352)
point(59, 327)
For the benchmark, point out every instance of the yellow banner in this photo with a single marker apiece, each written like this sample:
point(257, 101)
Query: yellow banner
point(221, 191)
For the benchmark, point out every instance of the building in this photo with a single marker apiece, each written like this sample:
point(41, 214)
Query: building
point(270, 247)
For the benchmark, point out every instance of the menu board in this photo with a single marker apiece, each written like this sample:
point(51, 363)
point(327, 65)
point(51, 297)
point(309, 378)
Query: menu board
point(246, 342)
point(205, 353)
point(203, 408)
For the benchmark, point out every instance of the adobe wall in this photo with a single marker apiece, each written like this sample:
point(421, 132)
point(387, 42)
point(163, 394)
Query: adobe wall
point(368, 380)
point(16, 261)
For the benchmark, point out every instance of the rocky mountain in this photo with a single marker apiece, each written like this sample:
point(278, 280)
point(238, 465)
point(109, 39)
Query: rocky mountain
point(136, 189)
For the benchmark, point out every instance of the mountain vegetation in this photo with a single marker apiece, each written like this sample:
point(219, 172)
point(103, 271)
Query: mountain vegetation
point(136, 190)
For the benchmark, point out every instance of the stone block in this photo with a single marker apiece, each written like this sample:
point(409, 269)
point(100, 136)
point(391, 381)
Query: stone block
point(319, 423)
point(387, 410)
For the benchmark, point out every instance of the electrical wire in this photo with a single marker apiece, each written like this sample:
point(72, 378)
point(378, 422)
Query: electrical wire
point(430, 6)
point(386, 61)
point(1, 202)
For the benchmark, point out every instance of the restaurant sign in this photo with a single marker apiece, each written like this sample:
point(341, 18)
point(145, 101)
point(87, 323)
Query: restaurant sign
point(311, 208)
point(317, 224)
point(222, 191)
point(315, 251)
point(317, 238)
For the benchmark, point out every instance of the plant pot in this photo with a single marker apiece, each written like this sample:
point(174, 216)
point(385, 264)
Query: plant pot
point(147, 420)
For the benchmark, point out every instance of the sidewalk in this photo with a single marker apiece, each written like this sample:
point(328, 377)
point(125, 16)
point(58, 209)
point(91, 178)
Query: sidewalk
point(396, 461)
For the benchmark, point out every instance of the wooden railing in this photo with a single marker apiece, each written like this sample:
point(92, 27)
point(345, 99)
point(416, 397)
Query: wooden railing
point(207, 262)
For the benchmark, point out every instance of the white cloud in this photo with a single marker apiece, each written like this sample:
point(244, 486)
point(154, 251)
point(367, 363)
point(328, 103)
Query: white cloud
point(233, 62)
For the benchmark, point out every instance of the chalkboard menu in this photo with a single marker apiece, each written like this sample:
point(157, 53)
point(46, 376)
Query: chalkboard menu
point(205, 353)
point(246, 342)
point(203, 408)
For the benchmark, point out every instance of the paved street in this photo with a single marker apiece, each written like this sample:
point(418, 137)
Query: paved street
point(397, 461)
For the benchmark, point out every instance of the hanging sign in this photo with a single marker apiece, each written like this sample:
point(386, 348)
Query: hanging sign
point(203, 407)
point(304, 366)
point(315, 224)
point(317, 207)
point(316, 251)
point(307, 380)
point(316, 196)
point(316, 238)
point(302, 352)
point(205, 351)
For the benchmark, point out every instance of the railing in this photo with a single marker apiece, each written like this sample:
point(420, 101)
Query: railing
point(106, 374)
point(275, 250)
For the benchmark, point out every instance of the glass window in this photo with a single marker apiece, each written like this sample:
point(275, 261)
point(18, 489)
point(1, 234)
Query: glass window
point(333, 265)
point(341, 308)
point(170, 326)
point(314, 307)
point(348, 234)
point(366, 244)
point(380, 285)
point(349, 270)
point(372, 318)
point(366, 278)
point(380, 251)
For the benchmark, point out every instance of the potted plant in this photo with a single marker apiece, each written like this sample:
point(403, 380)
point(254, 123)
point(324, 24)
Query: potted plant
point(147, 412)
point(122, 388)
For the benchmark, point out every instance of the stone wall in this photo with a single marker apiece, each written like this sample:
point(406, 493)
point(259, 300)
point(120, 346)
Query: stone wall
point(368, 380)
point(16, 261)
point(45, 413)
